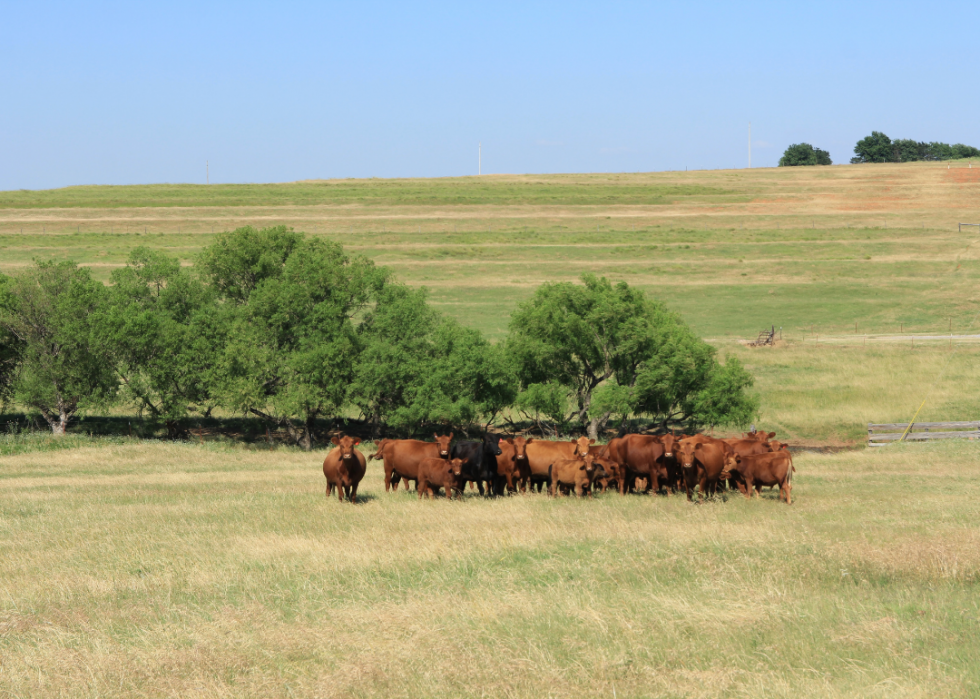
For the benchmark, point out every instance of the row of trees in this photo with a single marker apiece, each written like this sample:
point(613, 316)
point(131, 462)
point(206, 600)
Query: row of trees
point(879, 148)
point(290, 330)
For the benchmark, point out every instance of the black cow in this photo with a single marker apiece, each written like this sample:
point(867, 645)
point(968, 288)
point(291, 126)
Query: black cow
point(479, 461)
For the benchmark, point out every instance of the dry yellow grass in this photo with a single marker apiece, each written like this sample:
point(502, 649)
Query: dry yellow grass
point(178, 570)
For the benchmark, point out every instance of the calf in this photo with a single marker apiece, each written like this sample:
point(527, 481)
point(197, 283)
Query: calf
point(480, 461)
point(703, 461)
point(542, 453)
point(574, 473)
point(344, 468)
point(439, 473)
point(608, 472)
point(403, 456)
point(762, 469)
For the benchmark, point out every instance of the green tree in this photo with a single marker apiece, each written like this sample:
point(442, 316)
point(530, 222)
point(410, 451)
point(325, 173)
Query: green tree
point(579, 336)
point(166, 335)
point(416, 367)
point(546, 400)
point(50, 311)
point(615, 351)
point(10, 351)
point(804, 154)
point(961, 151)
point(292, 346)
point(876, 148)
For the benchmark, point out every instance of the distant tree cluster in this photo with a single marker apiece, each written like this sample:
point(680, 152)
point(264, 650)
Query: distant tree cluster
point(879, 148)
point(289, 330)
point(804, 154)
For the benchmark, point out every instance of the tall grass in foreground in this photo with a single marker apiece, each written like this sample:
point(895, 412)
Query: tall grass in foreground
point(161, 569)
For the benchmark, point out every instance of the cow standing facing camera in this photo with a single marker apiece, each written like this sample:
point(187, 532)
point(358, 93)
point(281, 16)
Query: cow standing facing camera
point(439, 473)
point(344, 467)
point(575, 473)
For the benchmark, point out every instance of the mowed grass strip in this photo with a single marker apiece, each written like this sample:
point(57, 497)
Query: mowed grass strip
point(170, 569)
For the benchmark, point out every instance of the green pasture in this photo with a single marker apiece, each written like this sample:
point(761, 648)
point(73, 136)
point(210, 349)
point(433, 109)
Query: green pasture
point(179, 570)
point(838, 253)
point(441, 192)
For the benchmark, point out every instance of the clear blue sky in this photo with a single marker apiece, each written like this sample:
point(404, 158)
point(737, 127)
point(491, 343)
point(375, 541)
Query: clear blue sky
point(121, 93)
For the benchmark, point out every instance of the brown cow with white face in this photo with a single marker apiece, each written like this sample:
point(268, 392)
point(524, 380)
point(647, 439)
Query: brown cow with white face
point(512, 464)
point(576, 473)
point(703, 461)
point(403, 456)
point(344, 467)
point(439, 473)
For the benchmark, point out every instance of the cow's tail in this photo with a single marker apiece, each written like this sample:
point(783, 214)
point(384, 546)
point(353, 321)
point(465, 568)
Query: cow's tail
point(792, 468)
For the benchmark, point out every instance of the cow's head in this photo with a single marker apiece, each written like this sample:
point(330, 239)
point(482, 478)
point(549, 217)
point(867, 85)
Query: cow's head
point(778, 446)
point(582, 446)
point(588, 465)
point(346, 445)
point(443, 443)
point(732, 462)
point(491, 443)
point(684, 452)
point(520, 448)
point(670, 443)
point(456, 467)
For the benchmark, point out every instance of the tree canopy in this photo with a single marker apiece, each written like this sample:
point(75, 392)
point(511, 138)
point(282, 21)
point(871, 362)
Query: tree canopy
point(879, 148)
point(643, 357)
point(804, 154)
point(292, 330)
point(49, 312)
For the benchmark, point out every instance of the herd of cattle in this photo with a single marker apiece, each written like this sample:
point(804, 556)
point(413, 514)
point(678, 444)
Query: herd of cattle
point(636, 462)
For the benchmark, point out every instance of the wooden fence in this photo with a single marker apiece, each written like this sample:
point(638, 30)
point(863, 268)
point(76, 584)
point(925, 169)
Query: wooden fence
point(880, 435)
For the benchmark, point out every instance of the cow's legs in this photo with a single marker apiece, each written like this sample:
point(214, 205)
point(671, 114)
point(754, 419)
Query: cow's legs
point(329, 489)
point(388, 484)
point(353, 493)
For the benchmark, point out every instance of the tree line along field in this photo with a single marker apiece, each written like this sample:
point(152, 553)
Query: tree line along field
point(216, 569)
point(839, 251)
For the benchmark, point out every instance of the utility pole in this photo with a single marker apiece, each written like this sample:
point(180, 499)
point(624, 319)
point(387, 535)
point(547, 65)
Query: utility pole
point(750, 145)
point(479, 159)
point(207, 172)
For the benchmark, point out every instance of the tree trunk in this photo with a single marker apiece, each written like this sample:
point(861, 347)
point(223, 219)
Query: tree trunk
point(596, 424)
point(58, 423)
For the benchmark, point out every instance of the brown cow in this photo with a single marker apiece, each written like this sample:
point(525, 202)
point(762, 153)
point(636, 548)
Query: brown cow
point(512, 464)
point(608, 471)
point(574, 473)
point(675, 476)
point(344, 468)
point(763, 469)
point(746, 447)
point(703, 461)
point(542, 453)
point(439, 473)
point(759, 436)
point(640, 456)
point(403, 456)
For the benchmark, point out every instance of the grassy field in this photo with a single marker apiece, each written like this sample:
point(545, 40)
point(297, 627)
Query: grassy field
point(151, 569)
point(179, 570)
point(833, 253)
